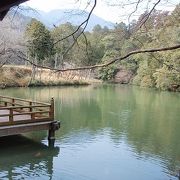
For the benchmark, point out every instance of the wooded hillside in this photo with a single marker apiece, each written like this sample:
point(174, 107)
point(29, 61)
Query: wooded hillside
point(57, 49)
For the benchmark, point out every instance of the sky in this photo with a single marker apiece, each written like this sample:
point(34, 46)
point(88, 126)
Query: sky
point(111, 10)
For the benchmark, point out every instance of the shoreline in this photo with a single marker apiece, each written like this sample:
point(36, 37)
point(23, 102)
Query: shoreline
point(22, 76)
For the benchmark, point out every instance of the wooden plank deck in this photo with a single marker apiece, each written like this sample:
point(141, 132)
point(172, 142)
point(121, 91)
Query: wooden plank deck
point(19, 116)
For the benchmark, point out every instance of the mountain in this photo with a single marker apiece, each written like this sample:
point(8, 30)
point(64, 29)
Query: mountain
point(12, 28)
point(15, 22)
point(61, 16)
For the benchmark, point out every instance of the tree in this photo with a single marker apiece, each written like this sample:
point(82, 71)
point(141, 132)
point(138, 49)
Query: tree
point(158, 70)
point(39, 41)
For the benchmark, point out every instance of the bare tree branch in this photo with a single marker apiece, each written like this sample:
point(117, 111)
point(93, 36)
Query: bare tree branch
point(146, 17)
point(170, 67)
point(134, 11)
point(157, 59)
point(1, 65)
point(23, 56)
point(84, 23)
point(86, 41)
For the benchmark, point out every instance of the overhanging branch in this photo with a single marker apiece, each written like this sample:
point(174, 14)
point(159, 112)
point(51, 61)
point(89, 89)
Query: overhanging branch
point(22, 56)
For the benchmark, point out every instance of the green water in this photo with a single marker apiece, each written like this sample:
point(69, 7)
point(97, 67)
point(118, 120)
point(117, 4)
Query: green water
point(107, 132)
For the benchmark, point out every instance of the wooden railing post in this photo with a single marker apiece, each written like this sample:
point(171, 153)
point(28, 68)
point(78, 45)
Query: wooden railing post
point(11, 115)
point(5, 103)
point(51, 111)
point(13, 102)
point(31, 110)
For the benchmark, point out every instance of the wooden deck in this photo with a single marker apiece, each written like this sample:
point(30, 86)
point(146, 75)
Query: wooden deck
point(19, 116)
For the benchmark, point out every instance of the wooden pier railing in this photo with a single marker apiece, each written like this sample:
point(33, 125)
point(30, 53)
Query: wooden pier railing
point(21, 111)
point(19, 116)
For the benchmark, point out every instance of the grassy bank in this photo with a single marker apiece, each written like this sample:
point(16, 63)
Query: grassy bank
point(22, 76)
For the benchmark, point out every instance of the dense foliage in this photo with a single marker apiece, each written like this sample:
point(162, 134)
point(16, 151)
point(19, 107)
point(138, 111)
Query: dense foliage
point(160, 70)
point(40, 44)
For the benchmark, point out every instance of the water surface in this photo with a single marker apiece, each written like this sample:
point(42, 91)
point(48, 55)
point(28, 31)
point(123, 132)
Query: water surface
point(108, 132)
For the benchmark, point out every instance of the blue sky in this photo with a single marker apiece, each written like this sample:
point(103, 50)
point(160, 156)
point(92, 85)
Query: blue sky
point(104, 8)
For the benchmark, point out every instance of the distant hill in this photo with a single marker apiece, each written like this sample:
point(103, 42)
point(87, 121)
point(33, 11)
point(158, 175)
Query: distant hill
point(12, 29)
point(61, 16)
point(15, 20)
point(13, 26)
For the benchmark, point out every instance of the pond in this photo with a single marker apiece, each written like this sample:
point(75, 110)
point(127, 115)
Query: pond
point(107, 132)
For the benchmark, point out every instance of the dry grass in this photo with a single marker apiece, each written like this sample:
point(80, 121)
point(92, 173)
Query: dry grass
point(20, 76)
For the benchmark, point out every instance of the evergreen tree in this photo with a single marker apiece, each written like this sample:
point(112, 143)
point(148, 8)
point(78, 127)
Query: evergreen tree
point(40, 44)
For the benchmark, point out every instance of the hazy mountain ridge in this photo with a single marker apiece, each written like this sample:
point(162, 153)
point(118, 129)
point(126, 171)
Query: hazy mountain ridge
point(61, 16)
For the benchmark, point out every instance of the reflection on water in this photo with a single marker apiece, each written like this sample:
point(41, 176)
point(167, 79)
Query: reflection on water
point(107, 132)
point(22, 158)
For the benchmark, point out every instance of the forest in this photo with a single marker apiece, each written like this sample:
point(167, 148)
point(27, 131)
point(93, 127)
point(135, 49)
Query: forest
point(159, 70)
point(69, 46)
